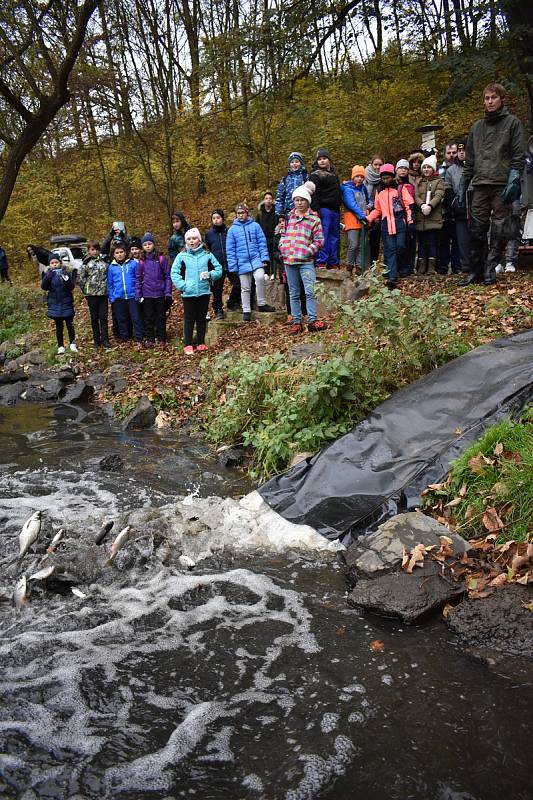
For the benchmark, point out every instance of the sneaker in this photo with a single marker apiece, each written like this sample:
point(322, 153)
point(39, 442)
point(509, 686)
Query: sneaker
point(296, 328)
point(247, 316)
point(60, 351)
point(499, 269)
point(202, 348)
point(316, 326)
point(149, 343)
point(189, 350)
point(510, 267)
point(208, 317)
point(74, 347)
point(266, 307)
point(220, 314)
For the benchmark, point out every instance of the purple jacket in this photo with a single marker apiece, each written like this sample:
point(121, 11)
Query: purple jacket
point(152, 277)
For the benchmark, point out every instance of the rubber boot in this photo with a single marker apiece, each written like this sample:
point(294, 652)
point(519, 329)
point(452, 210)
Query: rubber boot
point(431, 266)
point(421, 266)
point(497, 247)
point(478, 242)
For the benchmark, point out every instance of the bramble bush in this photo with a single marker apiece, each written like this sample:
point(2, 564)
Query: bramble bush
point(280, 406)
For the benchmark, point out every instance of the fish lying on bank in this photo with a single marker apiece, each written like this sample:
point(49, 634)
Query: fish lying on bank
point(29, 533)
point(78, 592)
point(121, 540)
point(104, 530)
point(55, 541)
point(21, 594)
point(43, 574)
point(185, 561)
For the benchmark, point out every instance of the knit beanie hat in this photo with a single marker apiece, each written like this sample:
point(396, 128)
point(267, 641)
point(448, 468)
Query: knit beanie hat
point(387, 169)
point(53, 257)
point(322, 152)
point(148, 238)
point(358, 170)
point(218, 211)
point(430, 161)
point(304, 191)
point(135, 242)
point(403, 162)
point(295, 156)
point(193, 232)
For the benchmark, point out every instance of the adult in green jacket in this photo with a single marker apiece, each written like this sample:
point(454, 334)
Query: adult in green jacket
point(493, 166)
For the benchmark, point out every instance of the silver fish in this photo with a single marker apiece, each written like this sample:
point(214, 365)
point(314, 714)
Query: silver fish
point(43, 574)
point(185, 561)
point(29, 533)
point(78, 592)
point(121, 539)
point(20, 595)
point(104, 530)
point(55, 541)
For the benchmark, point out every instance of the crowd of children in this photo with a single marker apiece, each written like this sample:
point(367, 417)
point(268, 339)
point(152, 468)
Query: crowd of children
point(401, 207)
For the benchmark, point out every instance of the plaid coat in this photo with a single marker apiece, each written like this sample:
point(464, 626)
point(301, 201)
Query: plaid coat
point(302, 240)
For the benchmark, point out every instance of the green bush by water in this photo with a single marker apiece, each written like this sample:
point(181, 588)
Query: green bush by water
point(16, 303)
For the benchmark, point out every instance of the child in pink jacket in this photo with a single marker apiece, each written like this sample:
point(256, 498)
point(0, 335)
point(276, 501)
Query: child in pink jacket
point(396, 220)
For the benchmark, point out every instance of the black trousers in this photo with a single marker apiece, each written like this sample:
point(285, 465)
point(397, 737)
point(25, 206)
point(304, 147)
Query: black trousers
point(98, 310)
point(234, 300)
point(59, 330)
point(195, 311)
point(155, 318)
point(374, 239)
point(218, 288)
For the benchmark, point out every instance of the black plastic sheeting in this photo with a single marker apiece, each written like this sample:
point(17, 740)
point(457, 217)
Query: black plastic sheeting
point(380, 467)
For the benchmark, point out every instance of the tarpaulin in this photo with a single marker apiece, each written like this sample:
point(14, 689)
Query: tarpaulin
point(380, 467)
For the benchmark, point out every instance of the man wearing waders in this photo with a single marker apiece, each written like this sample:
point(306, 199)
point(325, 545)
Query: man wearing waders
point(494, 165)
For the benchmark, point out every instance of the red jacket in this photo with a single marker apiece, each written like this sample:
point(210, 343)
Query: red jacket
point(387, 203)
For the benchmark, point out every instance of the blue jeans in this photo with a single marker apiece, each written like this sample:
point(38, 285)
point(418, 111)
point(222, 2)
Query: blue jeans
point(329, 254)
point(394, 246)
point(308, 275)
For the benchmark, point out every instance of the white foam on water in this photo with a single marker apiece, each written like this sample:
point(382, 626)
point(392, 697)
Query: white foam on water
point(319, 771)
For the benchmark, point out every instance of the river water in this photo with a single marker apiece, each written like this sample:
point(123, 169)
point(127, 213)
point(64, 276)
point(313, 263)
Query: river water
point(245, 677)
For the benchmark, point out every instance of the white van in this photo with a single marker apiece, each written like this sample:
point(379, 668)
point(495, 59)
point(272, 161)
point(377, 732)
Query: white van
point(71, 248)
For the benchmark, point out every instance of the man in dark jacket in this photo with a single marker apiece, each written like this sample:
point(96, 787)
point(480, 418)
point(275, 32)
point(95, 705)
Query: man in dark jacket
point(4, 266)
point(494, 165)
point(268, 220)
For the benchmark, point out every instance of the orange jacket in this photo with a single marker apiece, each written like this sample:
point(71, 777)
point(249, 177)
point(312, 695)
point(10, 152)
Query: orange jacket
point(387, 203)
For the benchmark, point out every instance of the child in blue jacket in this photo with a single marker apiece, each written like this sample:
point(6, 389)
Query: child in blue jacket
point(121, 287)
point(59, 283)
point(191, 273)
point(247, 252)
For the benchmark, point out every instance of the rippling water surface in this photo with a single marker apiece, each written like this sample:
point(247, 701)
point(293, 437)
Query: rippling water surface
point(246, 677)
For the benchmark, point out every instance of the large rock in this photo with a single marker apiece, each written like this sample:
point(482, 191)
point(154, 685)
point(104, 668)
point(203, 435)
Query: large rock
point(10, 393)
point(382, 551)
point(142, 416)
point(80, 392)
point(409, 597)
point(499, 622)
point(12, 377)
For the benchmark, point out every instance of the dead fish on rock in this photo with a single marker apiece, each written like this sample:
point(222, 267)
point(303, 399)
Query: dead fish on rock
point(104, 530)
point(52, 547)
point(43, 574)
point(78, 593)
point(29, 533)
point(185, 561)
point(21, 594)
point(121, 540)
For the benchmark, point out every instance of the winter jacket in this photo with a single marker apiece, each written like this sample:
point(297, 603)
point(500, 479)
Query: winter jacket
point(302, 240)
point(176, 244)
point(152, 277)
point(389, 206)
point(451, 186)
point(291, 181)
point(495, 145)
point(328, 189)
point(356, 200)
point(268, 221)
point(215, 239)
point(93, 276)
point(435, 186)
point(4, 267)
point(59, 285)
point(246, 247)
point(407, 195)
point(187, 268)
point(121, 280)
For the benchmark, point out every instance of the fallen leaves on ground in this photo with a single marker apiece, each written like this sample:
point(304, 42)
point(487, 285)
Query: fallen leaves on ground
point(376, 646)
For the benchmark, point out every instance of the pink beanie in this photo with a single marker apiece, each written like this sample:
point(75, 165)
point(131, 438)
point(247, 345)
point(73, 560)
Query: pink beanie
point(387, 169)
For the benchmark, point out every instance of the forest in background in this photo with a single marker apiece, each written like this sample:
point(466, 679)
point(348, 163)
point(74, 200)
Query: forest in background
point(191, 104)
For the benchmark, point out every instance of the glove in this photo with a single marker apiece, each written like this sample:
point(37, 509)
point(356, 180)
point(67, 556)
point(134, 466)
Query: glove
point(204, 276)
point(168, 302)
point(460, 199)
point(512, 190)
point(426, 209)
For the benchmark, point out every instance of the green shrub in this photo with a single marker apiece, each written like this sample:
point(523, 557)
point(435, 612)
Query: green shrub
point(280, 408)
point(16, 303)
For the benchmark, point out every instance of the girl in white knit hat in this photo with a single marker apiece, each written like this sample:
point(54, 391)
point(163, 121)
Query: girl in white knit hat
point(429, 193)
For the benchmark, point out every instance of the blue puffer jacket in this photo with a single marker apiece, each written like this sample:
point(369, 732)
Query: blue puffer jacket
point(60, 300)
point(121, 280)
point(246, 247)
point(187, 268)
point(291, 181)
point(215, 239)
point(355, 199)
